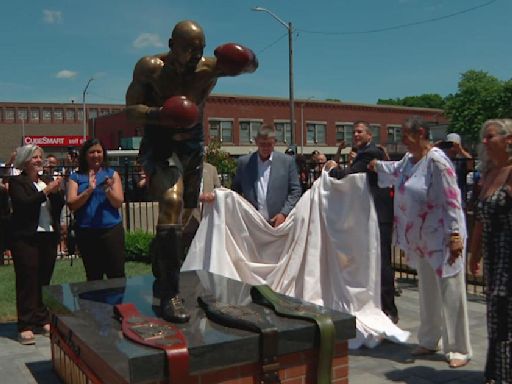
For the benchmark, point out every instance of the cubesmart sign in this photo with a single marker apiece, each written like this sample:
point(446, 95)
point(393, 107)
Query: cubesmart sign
point(55, 141)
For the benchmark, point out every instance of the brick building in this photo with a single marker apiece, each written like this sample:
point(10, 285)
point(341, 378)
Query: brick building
point(234, 119)
point(58, 122)
point(318, 124)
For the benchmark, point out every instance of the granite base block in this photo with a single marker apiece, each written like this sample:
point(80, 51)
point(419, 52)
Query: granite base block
point(89, 347)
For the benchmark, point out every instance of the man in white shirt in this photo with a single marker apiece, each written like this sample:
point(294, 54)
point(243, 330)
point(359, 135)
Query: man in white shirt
point(267, 179)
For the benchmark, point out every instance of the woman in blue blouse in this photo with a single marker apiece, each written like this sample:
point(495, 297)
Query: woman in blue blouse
point(95, 194)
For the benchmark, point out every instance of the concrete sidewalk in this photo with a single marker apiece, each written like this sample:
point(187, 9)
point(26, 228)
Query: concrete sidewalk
point(392, 363)
point(387, 363)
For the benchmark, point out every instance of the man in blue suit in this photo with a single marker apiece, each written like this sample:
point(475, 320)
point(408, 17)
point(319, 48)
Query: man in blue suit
point(268, 180)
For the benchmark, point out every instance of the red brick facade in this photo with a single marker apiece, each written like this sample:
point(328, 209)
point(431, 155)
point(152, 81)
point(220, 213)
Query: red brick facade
point(317, 123)
point(295, 368)
point(235, 110)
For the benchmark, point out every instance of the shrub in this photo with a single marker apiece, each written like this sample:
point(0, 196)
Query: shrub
point(136, 244)
point(222, 160)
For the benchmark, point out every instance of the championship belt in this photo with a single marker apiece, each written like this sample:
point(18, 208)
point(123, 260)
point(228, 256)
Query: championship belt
point(156, 333)
point(264, 295)
point(242, 317)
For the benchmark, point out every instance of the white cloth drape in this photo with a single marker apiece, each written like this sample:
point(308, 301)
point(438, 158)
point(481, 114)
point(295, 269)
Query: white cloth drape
point(326, 252)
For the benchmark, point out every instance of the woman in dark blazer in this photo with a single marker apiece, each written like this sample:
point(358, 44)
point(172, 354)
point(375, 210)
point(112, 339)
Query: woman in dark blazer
point(37, 202)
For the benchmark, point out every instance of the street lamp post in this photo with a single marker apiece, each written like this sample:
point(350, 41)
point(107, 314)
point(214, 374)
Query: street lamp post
point(302, 123)
point(83, 105)
point(22, 131)
point(289, 27)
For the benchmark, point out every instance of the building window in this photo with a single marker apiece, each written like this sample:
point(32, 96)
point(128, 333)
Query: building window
point(283, 132)
point(221, 129)
point(47, 114)
point(394, 134)
point(22, 114)
point(104, 112)
point(92, 113)
point(344, 132)
point(248, 130)
point(58, 114)
point(70, 114)
point(316, 133)
point(34, 114)
point(80, 115)
point(9, 115)
point(375, 128)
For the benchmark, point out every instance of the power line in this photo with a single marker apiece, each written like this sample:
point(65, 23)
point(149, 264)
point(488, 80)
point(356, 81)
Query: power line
point(400, 26)
point(272, 44)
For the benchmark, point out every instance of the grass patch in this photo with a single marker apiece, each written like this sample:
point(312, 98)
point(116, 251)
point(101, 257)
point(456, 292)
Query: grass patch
point(64, 272)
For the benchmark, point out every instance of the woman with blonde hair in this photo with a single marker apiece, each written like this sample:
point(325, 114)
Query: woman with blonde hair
point(492, 238)
point(37, 201)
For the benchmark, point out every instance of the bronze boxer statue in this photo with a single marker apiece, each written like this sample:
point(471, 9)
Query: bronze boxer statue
point(167, 94)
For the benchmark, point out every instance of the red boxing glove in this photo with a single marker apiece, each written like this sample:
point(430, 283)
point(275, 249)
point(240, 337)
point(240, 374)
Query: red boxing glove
point(234, 59)
point(179, 112)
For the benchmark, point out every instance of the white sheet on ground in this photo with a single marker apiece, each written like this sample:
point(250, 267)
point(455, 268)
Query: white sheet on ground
point(326, 252)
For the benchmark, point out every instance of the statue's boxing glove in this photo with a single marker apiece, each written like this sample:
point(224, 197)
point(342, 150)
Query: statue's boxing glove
point(179, 112)
point(234, 59)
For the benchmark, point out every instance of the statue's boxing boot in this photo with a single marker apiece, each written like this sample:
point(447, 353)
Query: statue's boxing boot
point(167, 257)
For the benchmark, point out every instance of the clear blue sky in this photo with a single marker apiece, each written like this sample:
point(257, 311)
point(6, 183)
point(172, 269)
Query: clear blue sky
point(51, 48)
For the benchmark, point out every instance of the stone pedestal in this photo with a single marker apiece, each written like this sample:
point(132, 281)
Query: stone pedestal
point(88, 345)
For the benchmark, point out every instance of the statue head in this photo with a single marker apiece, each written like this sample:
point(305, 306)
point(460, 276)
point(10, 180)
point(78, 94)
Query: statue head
point(187, 44)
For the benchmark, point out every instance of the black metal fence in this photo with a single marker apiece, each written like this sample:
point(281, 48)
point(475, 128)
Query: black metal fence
point(139, 212)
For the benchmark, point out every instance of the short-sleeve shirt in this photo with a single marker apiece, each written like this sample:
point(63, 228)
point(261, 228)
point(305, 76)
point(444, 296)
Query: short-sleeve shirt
point(97, 212)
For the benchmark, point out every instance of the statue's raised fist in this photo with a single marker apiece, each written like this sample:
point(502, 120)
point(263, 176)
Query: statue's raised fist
point(179, 112)
point(234, 59)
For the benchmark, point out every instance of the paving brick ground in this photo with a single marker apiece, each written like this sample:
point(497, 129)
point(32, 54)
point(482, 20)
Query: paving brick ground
point(387, 363)
point(391, 363)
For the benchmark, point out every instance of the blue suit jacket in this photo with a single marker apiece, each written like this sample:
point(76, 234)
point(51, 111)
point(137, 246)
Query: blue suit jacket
point(283, 188)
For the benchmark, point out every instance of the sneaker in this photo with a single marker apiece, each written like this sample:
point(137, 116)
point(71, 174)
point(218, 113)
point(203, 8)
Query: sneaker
point(174, 311)
point(26, 338)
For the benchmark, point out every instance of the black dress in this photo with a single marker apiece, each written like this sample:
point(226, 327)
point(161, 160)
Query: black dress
point(495, 213)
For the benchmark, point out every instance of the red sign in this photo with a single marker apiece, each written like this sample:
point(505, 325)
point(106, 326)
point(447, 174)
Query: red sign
point(55, 141)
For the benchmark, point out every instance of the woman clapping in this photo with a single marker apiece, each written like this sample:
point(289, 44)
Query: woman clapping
point(37, 202)
point(95, 195)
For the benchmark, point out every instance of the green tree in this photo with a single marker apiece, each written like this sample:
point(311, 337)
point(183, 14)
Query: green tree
point(221, 159)
point(480, 97)
point(427, 100)
point(507, 99)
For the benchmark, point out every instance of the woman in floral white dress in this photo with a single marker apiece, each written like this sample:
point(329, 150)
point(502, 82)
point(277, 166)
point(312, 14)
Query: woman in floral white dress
point(429, 226)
